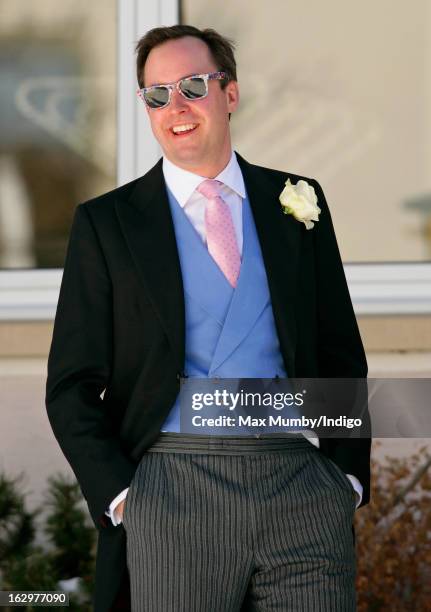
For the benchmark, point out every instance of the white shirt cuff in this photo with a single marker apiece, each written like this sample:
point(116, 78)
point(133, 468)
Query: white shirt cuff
point(358, 488)
point(113, 505)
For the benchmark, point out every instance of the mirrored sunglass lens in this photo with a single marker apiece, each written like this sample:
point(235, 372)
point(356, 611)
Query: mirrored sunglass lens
point(193, 88)
point(157, 97)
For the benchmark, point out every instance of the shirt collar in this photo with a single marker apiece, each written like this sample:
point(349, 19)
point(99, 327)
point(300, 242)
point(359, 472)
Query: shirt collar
point(183, 183)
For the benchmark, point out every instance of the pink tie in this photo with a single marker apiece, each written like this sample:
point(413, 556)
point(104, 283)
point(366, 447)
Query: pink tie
point(221, 238)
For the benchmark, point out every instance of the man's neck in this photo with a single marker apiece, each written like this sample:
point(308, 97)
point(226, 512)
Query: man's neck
point(210, 170)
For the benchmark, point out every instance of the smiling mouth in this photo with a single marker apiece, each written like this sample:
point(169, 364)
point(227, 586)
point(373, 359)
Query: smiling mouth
point(184, 132)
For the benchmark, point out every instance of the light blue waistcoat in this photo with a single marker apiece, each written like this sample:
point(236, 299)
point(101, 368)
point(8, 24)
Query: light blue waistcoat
point(230, 333)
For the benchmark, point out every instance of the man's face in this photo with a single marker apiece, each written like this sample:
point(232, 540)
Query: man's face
point(207, 149)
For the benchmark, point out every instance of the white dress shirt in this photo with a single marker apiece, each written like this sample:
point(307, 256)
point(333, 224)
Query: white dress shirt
point(182, 184)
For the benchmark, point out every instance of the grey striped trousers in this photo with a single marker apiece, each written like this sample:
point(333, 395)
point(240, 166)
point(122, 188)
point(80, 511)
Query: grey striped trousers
point(239, 524)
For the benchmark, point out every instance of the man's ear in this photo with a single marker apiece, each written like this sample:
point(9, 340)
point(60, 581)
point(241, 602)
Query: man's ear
point(232, 93)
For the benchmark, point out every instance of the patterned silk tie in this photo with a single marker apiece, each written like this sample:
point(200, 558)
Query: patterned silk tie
point(220, 231)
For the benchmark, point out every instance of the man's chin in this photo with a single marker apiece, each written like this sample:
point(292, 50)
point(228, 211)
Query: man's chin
point(187, 160)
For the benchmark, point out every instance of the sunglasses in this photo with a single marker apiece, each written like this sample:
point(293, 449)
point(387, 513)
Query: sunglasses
point(194, 87)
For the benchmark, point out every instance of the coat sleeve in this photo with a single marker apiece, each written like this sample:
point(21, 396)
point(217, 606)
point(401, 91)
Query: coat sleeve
point(341, 353)
point(340, 350)
point(79, 369)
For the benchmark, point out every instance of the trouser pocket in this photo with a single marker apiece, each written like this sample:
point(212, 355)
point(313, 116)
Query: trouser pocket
point(332, 474)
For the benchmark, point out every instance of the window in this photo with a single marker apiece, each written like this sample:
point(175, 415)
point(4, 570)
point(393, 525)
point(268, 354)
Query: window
point(346, 105)
point(58, 122)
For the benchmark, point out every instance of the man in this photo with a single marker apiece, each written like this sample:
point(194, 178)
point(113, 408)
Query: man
point(175, 275)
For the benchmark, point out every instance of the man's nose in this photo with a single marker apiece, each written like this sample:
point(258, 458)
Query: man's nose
point(178, 101)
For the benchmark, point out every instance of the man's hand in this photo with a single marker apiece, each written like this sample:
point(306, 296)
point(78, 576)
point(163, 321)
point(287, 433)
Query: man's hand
point(119, 511)
point(116, 507)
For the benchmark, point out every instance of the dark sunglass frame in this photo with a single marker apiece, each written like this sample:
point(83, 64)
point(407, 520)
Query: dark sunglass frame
point(171, 86)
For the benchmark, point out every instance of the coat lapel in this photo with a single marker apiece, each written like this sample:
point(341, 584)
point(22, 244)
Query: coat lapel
point(279, 237)
point(146, 221)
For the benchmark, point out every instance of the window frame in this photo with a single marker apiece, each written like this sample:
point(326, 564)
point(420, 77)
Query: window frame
point(383, 288)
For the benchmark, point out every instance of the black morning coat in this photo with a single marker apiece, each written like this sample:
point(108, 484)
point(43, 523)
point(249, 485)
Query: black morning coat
point(119, 329)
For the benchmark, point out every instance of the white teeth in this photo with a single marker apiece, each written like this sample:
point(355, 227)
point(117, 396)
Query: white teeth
point(183, 128)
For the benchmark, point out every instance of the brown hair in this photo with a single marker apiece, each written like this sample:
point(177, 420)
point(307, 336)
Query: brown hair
point(221, 48)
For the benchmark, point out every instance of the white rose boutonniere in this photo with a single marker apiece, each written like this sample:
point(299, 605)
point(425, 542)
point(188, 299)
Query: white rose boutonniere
point(300, 200)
